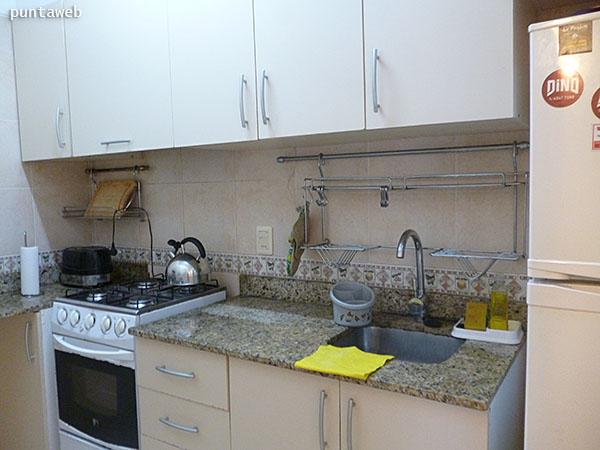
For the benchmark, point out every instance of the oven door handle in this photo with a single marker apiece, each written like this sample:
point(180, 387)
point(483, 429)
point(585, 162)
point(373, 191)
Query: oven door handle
point(60, 343)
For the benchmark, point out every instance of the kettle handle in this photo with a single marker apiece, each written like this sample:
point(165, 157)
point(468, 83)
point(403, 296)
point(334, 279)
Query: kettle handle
point(197, 243)
point(175, 244)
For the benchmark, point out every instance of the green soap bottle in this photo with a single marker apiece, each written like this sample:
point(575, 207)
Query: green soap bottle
point(499, 305)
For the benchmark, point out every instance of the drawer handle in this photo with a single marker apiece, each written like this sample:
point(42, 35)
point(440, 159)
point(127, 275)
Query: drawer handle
point(322, 442)
point(166, 421)
point(242, 113)
point(263, 107)
point(349, 424)
point(374, 81)
point(163, 369)
point(59, 138)
point(116, 141)
point(30, 357)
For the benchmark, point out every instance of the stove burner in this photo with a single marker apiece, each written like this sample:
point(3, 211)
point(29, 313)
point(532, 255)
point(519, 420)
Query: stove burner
point(147, 284)
point(186, 289)
point(96, 297)
point(138, 302)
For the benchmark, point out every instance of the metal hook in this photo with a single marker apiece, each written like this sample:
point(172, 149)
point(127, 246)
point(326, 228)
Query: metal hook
point(384, 200)
point(322, 200)
point(320, 164)
point(91, 172)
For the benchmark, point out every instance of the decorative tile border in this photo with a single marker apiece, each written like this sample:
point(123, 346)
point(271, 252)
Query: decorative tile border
point(378, 275)
point(10, 270)
point(12, 263)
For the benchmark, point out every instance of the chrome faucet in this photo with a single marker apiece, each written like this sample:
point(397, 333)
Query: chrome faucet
point(416, 308)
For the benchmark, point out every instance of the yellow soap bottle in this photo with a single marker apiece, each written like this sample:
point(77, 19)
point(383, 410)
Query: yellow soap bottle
point(499, 305)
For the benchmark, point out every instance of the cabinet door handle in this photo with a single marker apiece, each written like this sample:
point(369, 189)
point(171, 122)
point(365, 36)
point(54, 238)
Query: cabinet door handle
point(322, 442)
point(166, 421)
point(263, 109)
point(58, 121)
point(163, 369)
point(349, 424)
point(242, 112)
point(116, 141)
point(374, 81)
point(30, 357)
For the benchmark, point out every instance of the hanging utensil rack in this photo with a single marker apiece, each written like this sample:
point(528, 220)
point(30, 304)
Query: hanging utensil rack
point(340, 255)
point(131, 210)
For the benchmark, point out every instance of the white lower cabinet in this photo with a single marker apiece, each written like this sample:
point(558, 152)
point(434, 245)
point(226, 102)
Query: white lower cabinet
point(273, 408)
point(383, 420)
point(270, 408)
point(183, 397)
point(23, 421)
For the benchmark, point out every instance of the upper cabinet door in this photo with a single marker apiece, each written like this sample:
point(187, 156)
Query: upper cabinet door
point(438, 62)
point(212, 71)
point(309, 70)
point(42, 92)
point(119, 81)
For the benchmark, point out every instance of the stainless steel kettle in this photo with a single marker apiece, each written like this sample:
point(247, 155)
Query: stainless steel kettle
point(184, 269)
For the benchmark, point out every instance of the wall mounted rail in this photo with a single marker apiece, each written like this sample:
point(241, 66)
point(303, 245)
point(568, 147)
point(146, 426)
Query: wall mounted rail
point(338, 255)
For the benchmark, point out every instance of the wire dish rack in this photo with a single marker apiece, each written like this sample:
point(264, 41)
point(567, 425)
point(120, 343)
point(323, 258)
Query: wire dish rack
point(339, 255)
point(131, 210)
point(316, 190)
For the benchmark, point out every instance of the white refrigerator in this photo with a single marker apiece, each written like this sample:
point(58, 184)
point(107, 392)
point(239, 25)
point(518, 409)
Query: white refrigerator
point(562, 407)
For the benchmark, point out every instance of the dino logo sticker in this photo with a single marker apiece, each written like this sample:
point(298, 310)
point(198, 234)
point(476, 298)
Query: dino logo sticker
point(596, 103)
point(560, 89)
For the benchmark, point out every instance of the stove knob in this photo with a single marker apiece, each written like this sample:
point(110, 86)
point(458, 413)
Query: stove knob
point(90, 320)
point(62, 316)
point(120, 327)
point(106, 324)
point(74, 319)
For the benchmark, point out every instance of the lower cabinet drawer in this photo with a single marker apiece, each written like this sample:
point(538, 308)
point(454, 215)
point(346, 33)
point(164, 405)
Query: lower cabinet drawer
point(182, 423)
point(196, 375)
point(149, 443)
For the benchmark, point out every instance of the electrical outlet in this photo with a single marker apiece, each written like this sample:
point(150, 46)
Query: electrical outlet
point(264, 240)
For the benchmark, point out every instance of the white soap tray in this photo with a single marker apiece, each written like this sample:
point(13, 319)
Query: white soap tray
point(513, 335)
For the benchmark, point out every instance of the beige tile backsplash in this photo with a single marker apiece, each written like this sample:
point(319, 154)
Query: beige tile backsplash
point(220, 196)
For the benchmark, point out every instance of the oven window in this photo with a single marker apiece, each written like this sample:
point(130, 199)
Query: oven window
point(95, 391)
point(97, 398)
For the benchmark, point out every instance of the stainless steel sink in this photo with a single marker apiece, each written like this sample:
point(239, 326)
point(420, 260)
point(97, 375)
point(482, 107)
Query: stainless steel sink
point(411, 346)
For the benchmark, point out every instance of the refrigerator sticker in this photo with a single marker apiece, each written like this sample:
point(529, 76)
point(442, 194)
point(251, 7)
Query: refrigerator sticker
point(596, 138)
point(575, 38)
point(561, 89)
point(596, 103)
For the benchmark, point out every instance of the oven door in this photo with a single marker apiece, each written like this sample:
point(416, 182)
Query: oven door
point(96, 398)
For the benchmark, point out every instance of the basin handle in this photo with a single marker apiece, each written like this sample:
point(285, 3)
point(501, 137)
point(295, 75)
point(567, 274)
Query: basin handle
point(322, 442)
point(349, 423)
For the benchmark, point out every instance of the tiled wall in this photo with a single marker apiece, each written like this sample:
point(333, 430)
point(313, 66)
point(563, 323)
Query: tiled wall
point(220, 196)
point(32, 195)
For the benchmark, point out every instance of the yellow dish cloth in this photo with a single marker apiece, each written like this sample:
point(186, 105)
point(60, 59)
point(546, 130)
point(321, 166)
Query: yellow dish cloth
point(347, 361)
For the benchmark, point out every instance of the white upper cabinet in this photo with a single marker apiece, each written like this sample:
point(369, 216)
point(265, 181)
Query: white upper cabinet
point(212, 71)
point(43, 99)
point(443, 62)
point(119, 80)
point(309, 70)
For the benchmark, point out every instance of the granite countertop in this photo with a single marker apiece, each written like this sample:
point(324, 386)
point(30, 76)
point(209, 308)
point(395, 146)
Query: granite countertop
point(13, 303)
point(280, 333)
